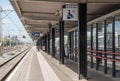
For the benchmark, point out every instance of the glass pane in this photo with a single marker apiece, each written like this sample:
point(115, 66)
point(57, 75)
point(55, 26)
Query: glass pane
point(94, 42)
point(109, 42)
point(77, 38)
point(101, 36)
point(72, 39)
point(72, 45)
point(117, 33)
point(109, 34)
point(100, 43)
point(94, 37)
point(117, 42)
point(89, 38)
point(89, 44)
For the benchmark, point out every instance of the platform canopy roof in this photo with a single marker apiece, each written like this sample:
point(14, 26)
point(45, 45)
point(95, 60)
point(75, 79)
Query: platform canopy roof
point(39, 15)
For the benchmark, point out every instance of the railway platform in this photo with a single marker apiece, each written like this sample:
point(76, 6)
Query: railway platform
point(40, 66)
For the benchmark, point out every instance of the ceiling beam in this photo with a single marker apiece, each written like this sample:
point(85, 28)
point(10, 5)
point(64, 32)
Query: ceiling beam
point(65, 1)
point(103, 1)
point(37, 22)
point(104, 17)
point(41, 17)
point(33, 26)
point(38, 29)
point(97, 14)
point(78, 1)
point(37, 12)
point(16, 6)
point(38, 25)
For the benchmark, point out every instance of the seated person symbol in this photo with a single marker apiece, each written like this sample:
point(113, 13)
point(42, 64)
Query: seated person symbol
point(70, 15)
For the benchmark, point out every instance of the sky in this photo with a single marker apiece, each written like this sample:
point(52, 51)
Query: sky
point(11, 25)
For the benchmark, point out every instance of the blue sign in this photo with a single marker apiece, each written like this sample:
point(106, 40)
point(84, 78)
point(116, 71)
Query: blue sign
point(35, 34)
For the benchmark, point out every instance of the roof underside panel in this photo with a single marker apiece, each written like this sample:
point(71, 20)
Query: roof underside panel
point(39, 15)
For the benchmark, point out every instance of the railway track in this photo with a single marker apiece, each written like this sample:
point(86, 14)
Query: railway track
point(7, 67)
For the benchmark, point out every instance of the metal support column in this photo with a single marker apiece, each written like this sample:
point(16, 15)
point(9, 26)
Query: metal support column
point(53, 42)
point(75, 45)
point(48, 41)
point(45, 43)
point(82, 30)
point(62, 42)
point(50, 33)
point(97, 59)
point(105, 47)
point(113, 47)
point(70, 45)
point(91, 45)
point(41, 43)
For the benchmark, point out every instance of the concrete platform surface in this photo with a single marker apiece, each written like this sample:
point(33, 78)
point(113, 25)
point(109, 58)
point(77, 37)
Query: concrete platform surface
point(40, 66)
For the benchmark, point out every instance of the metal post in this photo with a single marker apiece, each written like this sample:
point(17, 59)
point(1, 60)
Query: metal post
point(97, 59)
point(91, 46)
point(70, 45)
point(75, 45)
point(48, 39)
point(105, 47)
point(41, 43)
point(53, 42)
point(73, 41)
point(50, 32)
point(82, 28)
point(62, 42)
point(71, 56)
point(45, 43)
point(113, 47)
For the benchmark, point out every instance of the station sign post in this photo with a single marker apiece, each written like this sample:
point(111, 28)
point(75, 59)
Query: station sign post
point(77, 13)
point(69, 13)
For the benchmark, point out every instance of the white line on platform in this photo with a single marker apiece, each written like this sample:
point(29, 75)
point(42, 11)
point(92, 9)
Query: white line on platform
point(47, 72)
point(16, 68)
point(29, 66)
